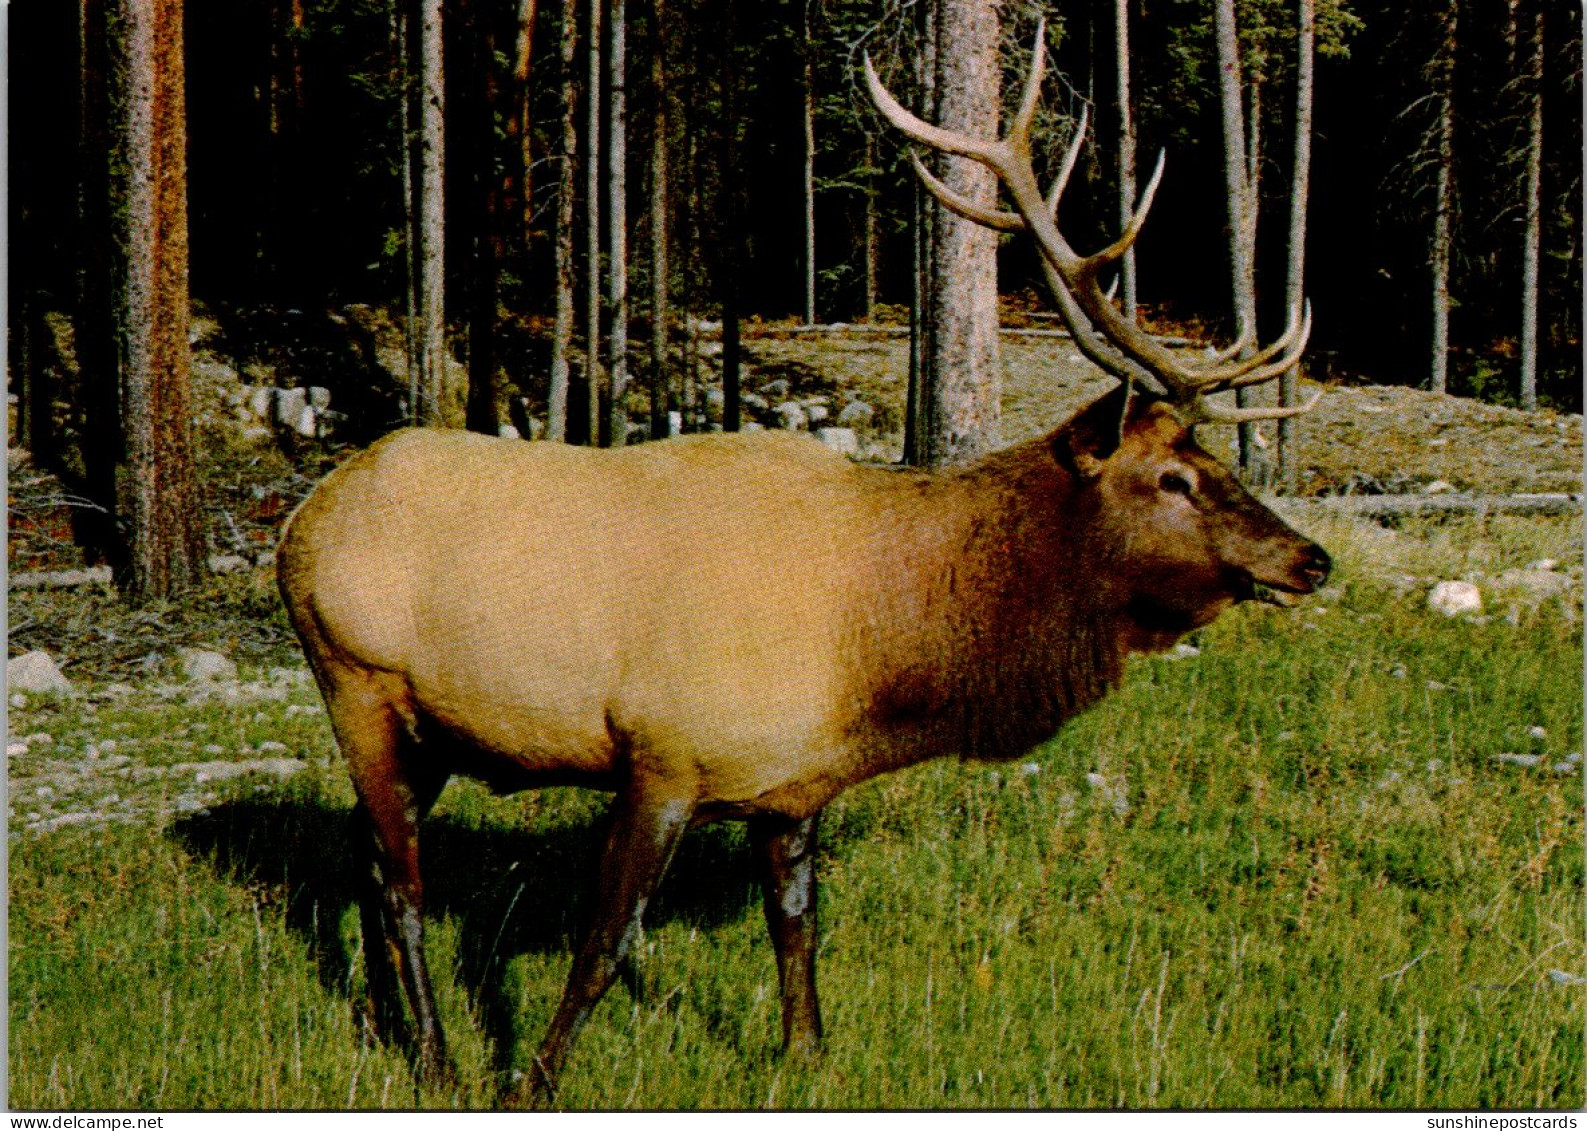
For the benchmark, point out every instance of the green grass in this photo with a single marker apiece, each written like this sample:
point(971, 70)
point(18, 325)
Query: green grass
point(1320, 890)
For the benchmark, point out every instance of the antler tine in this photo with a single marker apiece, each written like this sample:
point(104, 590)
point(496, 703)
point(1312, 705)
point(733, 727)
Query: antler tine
point(991, 153)
point(1018, 136)
point(1115, 250)
point(1071, 155)
point(1201, 411)
point(1218, 357)
point(1254, 370)
point(963, 206)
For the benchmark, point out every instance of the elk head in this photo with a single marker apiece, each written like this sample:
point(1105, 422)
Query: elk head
point(1185, 540)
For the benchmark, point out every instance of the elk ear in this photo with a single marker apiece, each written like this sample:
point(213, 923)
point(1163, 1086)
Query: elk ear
point(1085, 443)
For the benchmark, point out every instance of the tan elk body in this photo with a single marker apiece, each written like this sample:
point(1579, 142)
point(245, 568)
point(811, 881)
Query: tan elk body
point(743, 626)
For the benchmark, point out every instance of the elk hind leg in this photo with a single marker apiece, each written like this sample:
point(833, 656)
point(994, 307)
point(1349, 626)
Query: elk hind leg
point(785, 857)
point(396, 790)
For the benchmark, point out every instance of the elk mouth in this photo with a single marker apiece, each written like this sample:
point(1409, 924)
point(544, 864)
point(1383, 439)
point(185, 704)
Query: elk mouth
point(1303, 581)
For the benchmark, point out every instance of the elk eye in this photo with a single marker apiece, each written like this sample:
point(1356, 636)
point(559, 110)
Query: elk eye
point(1175, 483)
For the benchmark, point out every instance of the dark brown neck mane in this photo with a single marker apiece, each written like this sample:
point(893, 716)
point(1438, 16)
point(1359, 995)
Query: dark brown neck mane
point(993, 624)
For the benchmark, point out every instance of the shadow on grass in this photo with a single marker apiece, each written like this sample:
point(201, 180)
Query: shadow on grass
point(511, 892)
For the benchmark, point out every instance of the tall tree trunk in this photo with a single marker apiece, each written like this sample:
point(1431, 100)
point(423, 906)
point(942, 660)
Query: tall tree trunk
point(592, 224)
point(873, 233)
point(1295, 278)
point(103, 444)
point(660, 271)
point(962, 390)
point(520, 124)
point(924, 67)
point(1237, 184)
point(732, 240)
point(809, 183)
point(1121, 42)
point(1534, 220)
point(567, 190)
point(617, 221)
point(400, 17)
point(432, 215)
point(484, 280)
point(167, 546)
point(1443, 204)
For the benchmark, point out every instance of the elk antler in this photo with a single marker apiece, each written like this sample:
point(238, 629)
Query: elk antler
point(1121, 348)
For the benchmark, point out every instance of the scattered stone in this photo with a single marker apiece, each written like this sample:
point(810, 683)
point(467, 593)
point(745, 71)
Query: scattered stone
point(674, 423)
point(19, 701)
point(1533, 586)
point(753, 402)
point(35, 672)
point(319, 397)
point(791, 416)
point(1398, 671)
point(1564, 767)
point(289, 406)
point(306, 423)
point(751, 426)
point(1525, 760)
point(1454, 598)
point(1029, 769)
point(1116, 794)
point(261, 400)
point(1536, 732)
point(272, 747)
point(856, 414)
point(265, 558)
point(816, 413)
point(715, 405)
point(42, 738)
point(219, 770)
point(16, 749)
point(841, 440)
point(199, 664)
point(508, 432)
point(1438, 487)
point(227, 563)
point(1435, 685)
point(1566, 978)
point(775, 390)
point(59, 578)
point(1182, 651)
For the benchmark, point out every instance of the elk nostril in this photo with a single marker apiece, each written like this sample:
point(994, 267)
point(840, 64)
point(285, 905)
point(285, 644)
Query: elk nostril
point(1319, 564)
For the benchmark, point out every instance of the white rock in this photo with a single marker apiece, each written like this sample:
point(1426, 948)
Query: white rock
point(1438, 487)
point(674, 423)
point(289, 406)
point(260, 401)
point(791, 416)
point(1182, 651)
point(1527, 760)
point(1454, 598)
point(856, 414)
point(227, 563)
point(816, 413)
point(200, 664)
point(319, 396)
point(1537, 732)
point(841, 440)
point(508, 432)
point(16, 749)
point(307, 422)
point(35, 672)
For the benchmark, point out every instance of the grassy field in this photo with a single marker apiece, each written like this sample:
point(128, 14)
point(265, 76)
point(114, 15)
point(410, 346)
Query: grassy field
point(1289, 872)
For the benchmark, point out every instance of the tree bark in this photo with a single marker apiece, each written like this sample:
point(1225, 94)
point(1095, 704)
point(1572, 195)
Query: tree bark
point(484, 282)
point(873, 234)
point(660, 386)
point(432, 216)
point(924, 67)
point(567, 190)
point(1121, 41)
point(1443, 205)
point(400, 18)
point(1295, 278)
point(592, 224)
point(167, 547)
point(617, 221)
point(962, 387)
point(809, 183)
point(731, 244)
point(1237, 164)
point(521, 122)
point(1534, 220)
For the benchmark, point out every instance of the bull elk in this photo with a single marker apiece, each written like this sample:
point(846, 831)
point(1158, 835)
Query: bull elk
point(742, 626)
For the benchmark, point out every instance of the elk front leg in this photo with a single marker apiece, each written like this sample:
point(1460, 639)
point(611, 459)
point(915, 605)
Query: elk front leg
point(785, 855)
point(650, 818)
